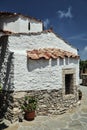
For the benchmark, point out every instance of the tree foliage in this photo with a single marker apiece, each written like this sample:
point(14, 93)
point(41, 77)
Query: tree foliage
point(83, 65)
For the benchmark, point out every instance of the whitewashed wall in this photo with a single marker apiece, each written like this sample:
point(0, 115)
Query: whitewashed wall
point(34, 26)
point(20, 25)
point(42, 40)
point(39, 74)
point(10, 24)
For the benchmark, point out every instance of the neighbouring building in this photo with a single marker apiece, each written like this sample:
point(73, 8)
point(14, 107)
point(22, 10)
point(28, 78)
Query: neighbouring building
point(36, 62)
point(84, 79)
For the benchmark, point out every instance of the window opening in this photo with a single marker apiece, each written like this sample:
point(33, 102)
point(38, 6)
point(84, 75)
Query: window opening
point(29, 26)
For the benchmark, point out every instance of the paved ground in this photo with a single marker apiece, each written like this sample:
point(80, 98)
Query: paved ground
point(75, 119)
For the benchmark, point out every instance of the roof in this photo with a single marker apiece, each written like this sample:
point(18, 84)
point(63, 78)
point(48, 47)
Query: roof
point(10, 14)
point(48, 53)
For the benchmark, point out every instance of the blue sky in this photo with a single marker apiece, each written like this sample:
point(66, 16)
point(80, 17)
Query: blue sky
point(67, 17)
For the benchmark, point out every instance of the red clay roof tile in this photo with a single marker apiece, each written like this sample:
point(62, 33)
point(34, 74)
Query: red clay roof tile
point(48, 53)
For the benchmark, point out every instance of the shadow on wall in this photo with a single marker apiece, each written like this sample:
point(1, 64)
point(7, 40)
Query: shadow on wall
point(4, 22)
point(72, 60)
point(6, 76)
point(39, 64)
point(1, 25)
point(53, 62)
point(3, 48)
point(36, 64)
point(6, 65)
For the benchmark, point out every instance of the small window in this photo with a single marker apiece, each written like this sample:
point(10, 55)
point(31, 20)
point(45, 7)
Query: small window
point(29, 26)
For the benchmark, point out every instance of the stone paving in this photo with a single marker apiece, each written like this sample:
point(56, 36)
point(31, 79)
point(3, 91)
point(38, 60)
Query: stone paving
point(74, 119)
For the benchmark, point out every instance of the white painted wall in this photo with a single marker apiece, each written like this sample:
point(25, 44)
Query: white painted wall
point(20, 25)
point(23, 25)
point(43, 40)
point(10, 24)
point(39, 74)
point(34, 26)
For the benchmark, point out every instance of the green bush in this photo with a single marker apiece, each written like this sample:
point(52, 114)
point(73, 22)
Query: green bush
point(29, 104)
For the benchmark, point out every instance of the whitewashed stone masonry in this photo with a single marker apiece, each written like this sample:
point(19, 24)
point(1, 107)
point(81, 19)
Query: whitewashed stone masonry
point(39, 74)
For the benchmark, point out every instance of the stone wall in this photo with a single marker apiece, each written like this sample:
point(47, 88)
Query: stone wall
point(44, 79)
point(49, 102)
point(39, 74)
point(6, 105)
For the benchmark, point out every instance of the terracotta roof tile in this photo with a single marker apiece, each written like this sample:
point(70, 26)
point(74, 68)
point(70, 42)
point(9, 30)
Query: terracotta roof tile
point(48, 53)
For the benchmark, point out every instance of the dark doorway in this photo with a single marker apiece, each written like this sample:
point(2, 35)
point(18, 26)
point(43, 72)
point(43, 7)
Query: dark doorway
point(69, 83)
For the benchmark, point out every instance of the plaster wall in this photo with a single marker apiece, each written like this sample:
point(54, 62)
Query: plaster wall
point(34, 26)
point(10, 24)
point(39, 74)
point(26, 42)
point(20, 25)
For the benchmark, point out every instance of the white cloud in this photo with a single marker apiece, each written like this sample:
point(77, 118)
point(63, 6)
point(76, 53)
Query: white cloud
point(63, 14)
point(85, 49)
point(46, 23)
point(82, 37)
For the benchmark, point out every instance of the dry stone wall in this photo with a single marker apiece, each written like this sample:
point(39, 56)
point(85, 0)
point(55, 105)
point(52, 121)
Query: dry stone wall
point(50, 102)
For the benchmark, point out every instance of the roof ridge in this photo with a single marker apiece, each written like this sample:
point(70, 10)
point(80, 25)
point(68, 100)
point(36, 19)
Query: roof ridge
point(18, 14)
